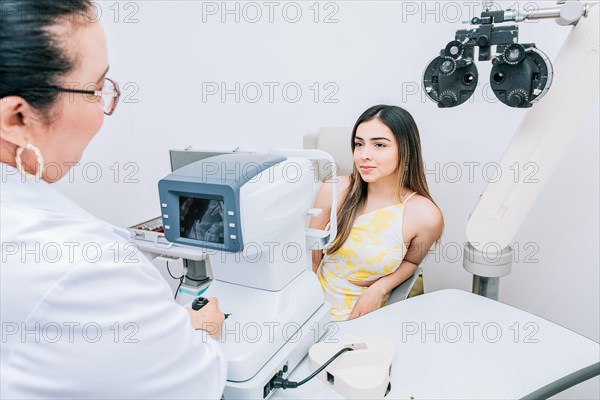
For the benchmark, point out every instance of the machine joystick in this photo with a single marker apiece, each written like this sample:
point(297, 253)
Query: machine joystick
point(199, 302)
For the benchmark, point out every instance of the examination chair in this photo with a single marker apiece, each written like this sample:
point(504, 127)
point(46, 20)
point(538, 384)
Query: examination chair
point(336, 141)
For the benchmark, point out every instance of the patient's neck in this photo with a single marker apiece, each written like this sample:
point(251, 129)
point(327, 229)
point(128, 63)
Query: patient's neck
point(383, 190)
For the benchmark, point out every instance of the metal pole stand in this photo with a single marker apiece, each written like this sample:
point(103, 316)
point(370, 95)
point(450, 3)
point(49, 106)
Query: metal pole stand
point(196, 272)
point(487, 268)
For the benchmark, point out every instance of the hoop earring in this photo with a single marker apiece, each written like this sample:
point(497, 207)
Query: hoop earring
point(39, 159)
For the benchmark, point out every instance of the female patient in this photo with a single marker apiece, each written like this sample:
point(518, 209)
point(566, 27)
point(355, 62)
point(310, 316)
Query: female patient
point(382, 236)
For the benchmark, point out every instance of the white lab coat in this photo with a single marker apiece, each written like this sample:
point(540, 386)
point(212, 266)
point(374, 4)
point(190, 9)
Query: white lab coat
point(84, 315)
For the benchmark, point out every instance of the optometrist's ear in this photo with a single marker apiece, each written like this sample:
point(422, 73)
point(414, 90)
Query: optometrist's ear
point(17, 120)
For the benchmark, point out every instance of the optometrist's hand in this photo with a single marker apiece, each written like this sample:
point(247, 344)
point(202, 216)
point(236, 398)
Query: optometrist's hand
point(209, 318)
point(370, 300)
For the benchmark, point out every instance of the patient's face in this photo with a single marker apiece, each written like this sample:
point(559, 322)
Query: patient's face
point(375, 152)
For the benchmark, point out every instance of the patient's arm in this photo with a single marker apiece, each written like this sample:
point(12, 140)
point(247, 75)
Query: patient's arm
point(323, 201)
point(427, 220)
point(372, 298)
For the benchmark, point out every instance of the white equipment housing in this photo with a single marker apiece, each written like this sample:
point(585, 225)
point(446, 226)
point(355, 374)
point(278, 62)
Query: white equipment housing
point(363, 373)
point(538, 144)
point(260, 264)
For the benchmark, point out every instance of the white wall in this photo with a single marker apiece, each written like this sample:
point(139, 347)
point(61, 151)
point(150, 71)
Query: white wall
point(374, 53)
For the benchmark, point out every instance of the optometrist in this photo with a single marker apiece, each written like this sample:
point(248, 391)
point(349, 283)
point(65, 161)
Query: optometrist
point(84, 315)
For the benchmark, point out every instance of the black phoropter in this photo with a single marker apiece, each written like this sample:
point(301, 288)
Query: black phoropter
point(521, 73)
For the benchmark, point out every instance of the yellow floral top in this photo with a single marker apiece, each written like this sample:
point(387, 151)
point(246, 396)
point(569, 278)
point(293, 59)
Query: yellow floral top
point(374, 248)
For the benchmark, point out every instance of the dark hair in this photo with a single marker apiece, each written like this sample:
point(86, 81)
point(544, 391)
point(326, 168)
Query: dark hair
point(31, 56)
point(410, 171)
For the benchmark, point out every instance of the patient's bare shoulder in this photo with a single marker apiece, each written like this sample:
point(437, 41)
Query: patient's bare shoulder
point(422, 216)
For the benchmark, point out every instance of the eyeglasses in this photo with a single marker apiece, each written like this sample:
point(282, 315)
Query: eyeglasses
point(110, 94)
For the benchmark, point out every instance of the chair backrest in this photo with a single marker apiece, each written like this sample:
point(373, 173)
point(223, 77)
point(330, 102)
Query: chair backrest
point(335, 141)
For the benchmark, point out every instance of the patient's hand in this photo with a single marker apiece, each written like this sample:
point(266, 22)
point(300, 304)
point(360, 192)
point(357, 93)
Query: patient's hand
point(370, 300)
point(209, 318)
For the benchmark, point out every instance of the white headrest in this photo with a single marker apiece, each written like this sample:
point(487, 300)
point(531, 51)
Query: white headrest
point(335, 141)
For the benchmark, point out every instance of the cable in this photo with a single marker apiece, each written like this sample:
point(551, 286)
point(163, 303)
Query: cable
point(169, 271)
point(178, 286)
point(181, 278)
point(280, 383)
point(197, 280)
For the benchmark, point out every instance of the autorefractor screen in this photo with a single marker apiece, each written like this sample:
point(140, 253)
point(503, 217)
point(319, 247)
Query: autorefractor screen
point(201, 219)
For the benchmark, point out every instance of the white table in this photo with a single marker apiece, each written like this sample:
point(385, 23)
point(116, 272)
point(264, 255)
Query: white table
point(454, 344)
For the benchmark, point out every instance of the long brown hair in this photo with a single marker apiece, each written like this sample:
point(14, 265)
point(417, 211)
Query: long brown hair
point(410, 171)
